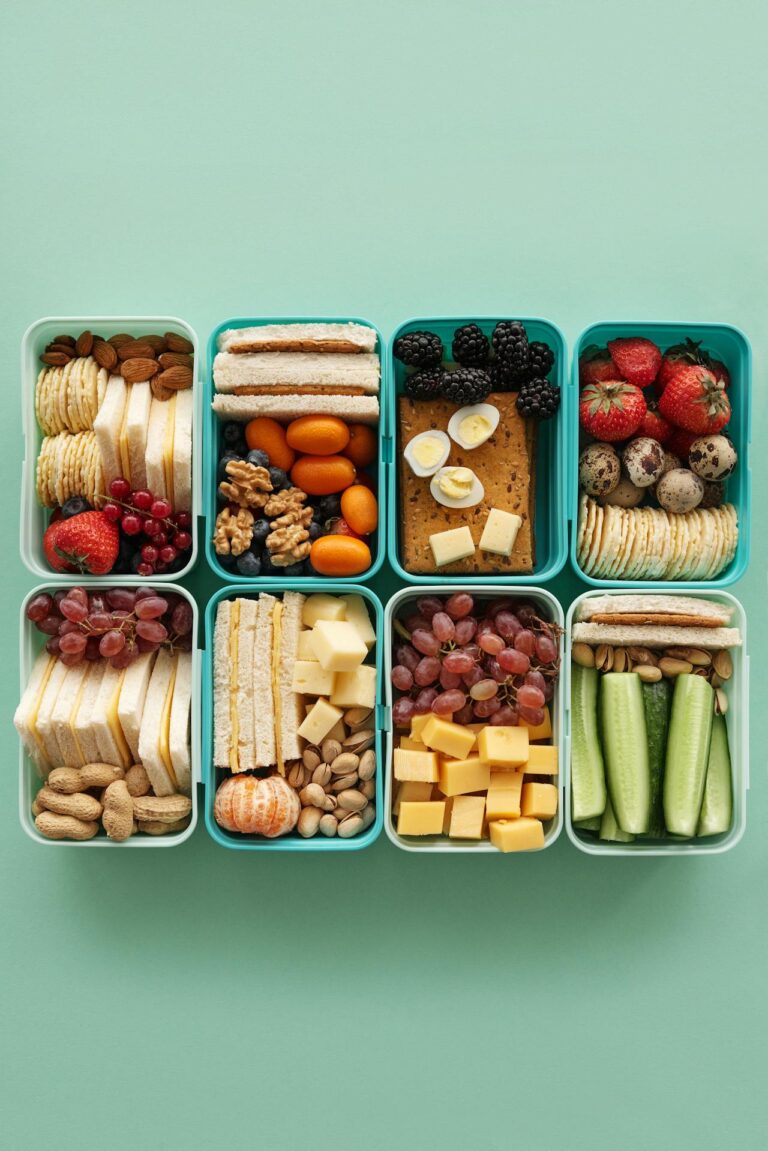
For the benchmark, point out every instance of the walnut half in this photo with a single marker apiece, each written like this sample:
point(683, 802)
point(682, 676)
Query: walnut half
point(233, 532)
point(249, 486)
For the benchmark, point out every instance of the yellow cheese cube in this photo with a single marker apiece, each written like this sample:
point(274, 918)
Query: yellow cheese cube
point(449, 802)
point(417, 725)
point(542, 759)
point(450, 738)
point(416, 765)
point(337, 645)
point(357, 614)
point(500, 532)
point(504, 794)
point(409, 744)
point(467, 817)
point(305, 650)
point(311, 679)
point(460, 776)
point(449, 546)
point(539, 800)
point(543, 731)
point(420, 818)
point(503, 746)
point(411, 791)
point(322, 606)
point(319, 721)
point(516, 834)
point(355, 688)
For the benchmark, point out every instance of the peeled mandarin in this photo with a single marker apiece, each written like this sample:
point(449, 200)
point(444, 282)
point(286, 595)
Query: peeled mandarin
point(340, 556)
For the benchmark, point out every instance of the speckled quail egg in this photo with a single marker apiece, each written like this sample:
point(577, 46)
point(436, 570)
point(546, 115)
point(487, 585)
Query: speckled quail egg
point(624, 495)
point(670, 461)
point(712, 457)
point(473, 425)
point(643, 460)
point(714, 494)
point(680, 491)
point(427, 452)
point(599, 469)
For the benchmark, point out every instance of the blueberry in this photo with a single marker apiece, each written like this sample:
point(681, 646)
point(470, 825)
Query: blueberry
point(232, 433)
point(227, 561)
point(330, 507)
point(258, 457)
point(267, 567)
point(249, 564)
point(279, 479)
point(74, 506)
point(223, 464)
point(315, 531)
point(309, 569)
point(294, 570)
point(261, 530)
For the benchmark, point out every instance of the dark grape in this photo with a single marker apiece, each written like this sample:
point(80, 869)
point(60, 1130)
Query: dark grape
point(536, 679)
point(506, 716)
point(527, 615)
point(182, 618)
point(448, 702)
point(92, 647)
point(152, 630)
point(474, 675)
point(425, 641)
point(443, 627)
point(496, 671)
point(507, 624)
point(402, 677)
point(525, 641)
point(465, 630)
point(424, 700)
point(459, 605)
point(458, 662)
point(151, 607)
point(67, 627)
point(484, 708)
point(39, 607)
point(120, 599)
point(403, 711)
point(73, 643)
point(531, 715)
point(464, 715)
point(417, 623)
point(427, 671)
point(111, 643)
point(530, 698)
point(407, 656)
point(50, 625)
point(546, 649)
point(52, 645)
point(513, 661)
point(449, 679)
point(428, 605)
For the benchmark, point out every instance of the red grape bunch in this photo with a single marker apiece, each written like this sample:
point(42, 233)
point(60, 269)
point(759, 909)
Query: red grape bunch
point(496, 661)
point(117, 624)
point(160, 536)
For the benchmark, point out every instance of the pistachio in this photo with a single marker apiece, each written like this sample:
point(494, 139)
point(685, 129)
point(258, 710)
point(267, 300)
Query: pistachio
point(723, 664)
point(583, 655)
point(330, 749)
point(327, 825)
point(716, 680)
point(367, 766)
point(297, 776)
point(356, 718)
point(721, 701)
point(311, 758)
point(604, 657)
point(692, 655)
point(309, 821)
point(343, 782)
point(345, 763)
point(322, 775)
point(648, 673)
point(369, 814)
point(350, 825)
point(352, 800)
point(331, 803)
point(368, 788)
point(674, 667)
point(360, 741)
point(620, 660)
point(312, 795)
point(642, 655)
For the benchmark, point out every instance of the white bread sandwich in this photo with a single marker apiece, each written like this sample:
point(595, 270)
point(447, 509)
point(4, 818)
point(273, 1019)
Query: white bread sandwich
point(656, 635)
point(25, 717)
point(154, 737)
point(108, 425)
point(264, 734)
point(353, 409)
point(134, 435)
point(275, 373)
point(346, 338)
point(133, 693)
point(44, 733)
point(222, 683)
point(159, 450)
point(179, 730)
point(679, 610)
point(105, 723)
point(289, 712)
point(82, 717)
point(181, 469)
point(67, 705)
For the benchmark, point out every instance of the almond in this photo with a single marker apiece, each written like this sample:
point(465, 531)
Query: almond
point(158, 391)
point(177, 343)
point(84, 343)
point(104, 354)
point(55, 359)
point(68, 340)
point(177, 378)
point(136, 350)
point(156, 342)
point(65, 348)
point(136, 371)
point(175, 360)
point(120, 339)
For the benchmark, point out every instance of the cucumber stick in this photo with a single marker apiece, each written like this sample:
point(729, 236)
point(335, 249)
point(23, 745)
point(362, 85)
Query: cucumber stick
point(587, 771)
point(609, 828)
point(625, 747)
point(591, 824)
point(656, 699)
point(685, 768)
point(717, 804)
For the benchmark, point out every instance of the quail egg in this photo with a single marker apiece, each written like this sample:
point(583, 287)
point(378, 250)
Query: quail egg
point(624, 495)
point(643, 460)
point(599, 469)
point(712, 457)
point(670, 461)
point(456, 488)
point(680, 491)
point(473, 425)
point(427, 452)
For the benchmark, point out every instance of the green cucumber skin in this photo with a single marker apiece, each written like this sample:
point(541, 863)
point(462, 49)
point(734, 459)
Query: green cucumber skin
point(685, 768)
point(609, 828)
point(625, 747)
point(588, 793)
point(717, 805)
point(591, 824)
point(656, 700)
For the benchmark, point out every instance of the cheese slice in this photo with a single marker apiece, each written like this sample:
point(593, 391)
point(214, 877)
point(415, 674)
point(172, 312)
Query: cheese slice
point(25, 718)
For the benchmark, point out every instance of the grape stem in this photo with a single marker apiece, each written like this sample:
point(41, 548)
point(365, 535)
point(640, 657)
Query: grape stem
point(166, 520)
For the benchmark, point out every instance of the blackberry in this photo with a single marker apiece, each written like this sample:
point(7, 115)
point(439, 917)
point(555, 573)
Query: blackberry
point(540, 360)
point(426, 384)
point(466, 386)
point(470, 346)
point(538, 400)
point(510, 343)
point(501, 377)
point(419, 349)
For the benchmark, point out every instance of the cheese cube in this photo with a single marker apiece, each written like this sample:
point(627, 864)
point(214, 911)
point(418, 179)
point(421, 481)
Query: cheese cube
point(337, 645)
point(542, 759)
point(417, 725)
point(305, 649)
point(311, 679)
point(411, 791)
point(516, 834)
point(539, 800)
point(450, 738)
point(460, 776)
point(355, 688)
point(504, 795)
point(543, 731)
point(455, 544)
point(500, 532)
point(503, 746)
point(319, 721)
point(409, 744)
point(322, 606)
point(449, 802)
point(416, 765)
point(357, 615)
point(420, 818)
point(338, 731)
point(467, 817)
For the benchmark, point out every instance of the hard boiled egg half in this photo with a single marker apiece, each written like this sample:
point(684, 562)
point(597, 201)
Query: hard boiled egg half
point(427, 452)
point(472, 426)
point(456, 488)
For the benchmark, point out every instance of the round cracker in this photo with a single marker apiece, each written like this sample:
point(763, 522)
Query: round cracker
point(593, 542)
point(636, 562)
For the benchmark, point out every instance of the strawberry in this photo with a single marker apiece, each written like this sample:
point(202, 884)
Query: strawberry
point(637, 359)
point(720, 372)
point(679, 443)
point(655, 426)
point(88, 543)
point(596, 364)
point(677, 357)
point(611, 409)
point(693, 399)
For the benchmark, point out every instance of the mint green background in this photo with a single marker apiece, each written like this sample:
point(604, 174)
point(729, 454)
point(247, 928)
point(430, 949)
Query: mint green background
point(579, 161)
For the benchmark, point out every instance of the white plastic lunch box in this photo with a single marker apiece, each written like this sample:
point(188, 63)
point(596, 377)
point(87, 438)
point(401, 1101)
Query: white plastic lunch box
point(407, 597)
point(31, 643)
point(737, 723)
point(34, 518)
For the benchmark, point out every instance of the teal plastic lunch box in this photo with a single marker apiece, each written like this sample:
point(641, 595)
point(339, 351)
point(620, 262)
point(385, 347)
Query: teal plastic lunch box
point(550, 529)
point(292, 842)
point(737, 723)
point(211, 433)
point(728, 344)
